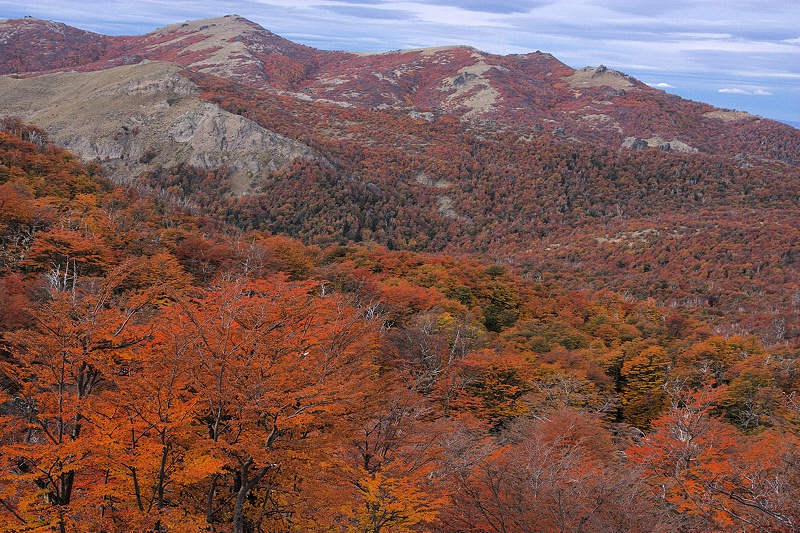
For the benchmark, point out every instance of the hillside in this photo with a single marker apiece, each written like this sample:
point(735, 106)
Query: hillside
point(135, 117)
point(161, 371)
point(586, 178)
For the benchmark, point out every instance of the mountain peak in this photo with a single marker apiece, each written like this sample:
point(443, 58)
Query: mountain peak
point(230, 47)
point(33, 22)
point(30, 45)
point(232, 25)
point(601, 76)
point(425, 51)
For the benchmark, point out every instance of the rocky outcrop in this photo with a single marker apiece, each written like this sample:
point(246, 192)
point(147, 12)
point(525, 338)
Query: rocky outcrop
point(726, 115)
point(598, 77)
point(637, 143)
point(136, 117)
point(210, 137)
point(470, 89)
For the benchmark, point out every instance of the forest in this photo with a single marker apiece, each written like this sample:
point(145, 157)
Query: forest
point(166, 371)
point(710, 234)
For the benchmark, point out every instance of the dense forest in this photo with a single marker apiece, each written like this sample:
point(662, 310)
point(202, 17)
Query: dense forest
point(711, 235)
point(164, 371)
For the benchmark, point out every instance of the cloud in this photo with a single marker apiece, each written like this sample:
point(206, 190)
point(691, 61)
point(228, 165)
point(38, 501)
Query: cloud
point(756, 92)
point(703, 35)
point(661, 85)
point(371, 13)
point(491, 6)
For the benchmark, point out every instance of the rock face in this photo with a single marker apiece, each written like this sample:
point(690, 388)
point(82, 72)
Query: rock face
point(136, 117)
point(211, 137)
point(636, 143)
point(470, 89)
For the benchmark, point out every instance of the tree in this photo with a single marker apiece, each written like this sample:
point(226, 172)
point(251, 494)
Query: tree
point(687, 458)
point(145, 431)
point(276, 366)
point(643, 377)
point(59, 368)
point(558, 473)
point(391, 504)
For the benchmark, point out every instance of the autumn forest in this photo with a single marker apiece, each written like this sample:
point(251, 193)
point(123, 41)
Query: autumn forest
point(430, 325)
point(163, 372)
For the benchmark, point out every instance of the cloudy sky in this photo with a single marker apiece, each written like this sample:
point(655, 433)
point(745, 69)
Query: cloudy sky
point(738, 54)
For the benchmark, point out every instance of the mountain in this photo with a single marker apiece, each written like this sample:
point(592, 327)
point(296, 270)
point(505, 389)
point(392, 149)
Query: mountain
point(586, 177)
point(432, 290)
point(532, 89)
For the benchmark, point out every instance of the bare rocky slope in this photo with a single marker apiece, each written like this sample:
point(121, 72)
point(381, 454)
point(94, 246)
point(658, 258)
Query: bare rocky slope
point(137, 117)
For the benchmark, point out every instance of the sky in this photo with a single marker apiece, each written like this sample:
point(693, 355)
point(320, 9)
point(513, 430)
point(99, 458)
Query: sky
point(734, 54)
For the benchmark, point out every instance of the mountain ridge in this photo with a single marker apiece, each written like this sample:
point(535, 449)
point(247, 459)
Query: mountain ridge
point(532, 88)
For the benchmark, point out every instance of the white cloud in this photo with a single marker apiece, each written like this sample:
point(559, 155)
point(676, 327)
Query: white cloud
point(661, 85)
point(765, 75)
point(703, 35)
point(756, 92)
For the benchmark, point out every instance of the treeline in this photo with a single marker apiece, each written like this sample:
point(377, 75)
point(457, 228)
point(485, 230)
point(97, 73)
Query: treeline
point(165, 372)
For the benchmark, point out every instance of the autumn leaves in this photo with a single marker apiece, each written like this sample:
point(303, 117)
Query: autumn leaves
point(125, 415)
point(160, 372)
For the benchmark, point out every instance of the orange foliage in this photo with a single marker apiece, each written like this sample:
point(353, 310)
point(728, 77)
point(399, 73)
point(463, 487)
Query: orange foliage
point(165, 372)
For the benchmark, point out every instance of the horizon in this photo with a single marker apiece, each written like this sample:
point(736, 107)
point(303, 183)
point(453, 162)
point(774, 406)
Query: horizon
point(740, 57)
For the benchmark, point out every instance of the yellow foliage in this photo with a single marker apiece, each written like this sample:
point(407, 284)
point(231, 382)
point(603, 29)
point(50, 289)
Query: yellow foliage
point(391, 504)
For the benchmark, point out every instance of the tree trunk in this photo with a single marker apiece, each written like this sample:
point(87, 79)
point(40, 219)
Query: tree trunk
point(210, 499)
point(136, 488)
point(247, 484)
point(65, 490)
point(162, 474)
